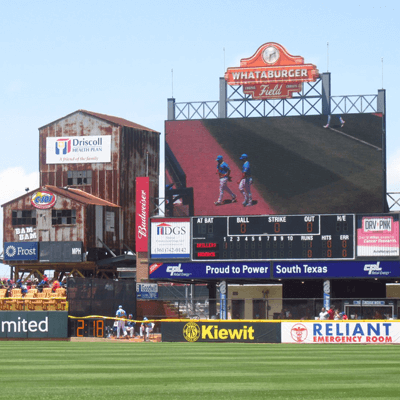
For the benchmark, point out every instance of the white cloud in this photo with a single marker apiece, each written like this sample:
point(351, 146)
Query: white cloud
point(15, 86)
point(14, 181)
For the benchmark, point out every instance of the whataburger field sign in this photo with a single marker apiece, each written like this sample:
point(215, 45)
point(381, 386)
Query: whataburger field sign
point(271, 73)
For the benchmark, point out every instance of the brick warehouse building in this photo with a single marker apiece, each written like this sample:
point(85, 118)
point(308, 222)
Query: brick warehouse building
point(88, 162)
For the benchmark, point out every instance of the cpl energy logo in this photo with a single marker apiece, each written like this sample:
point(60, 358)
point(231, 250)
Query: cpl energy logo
point(375, 269)
point(191, 332)
point(43, 199)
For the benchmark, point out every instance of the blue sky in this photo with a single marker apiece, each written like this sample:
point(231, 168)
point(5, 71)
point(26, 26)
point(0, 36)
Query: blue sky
point(115, 57)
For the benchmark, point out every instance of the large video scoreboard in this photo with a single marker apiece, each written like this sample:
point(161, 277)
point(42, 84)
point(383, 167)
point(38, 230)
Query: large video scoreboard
point(274, 237)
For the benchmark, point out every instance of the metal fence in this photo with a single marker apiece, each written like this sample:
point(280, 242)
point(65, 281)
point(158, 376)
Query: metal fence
point(272, 309)
point(89, 296)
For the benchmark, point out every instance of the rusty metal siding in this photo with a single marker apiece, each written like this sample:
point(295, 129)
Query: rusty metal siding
point(133, 150)
point(90, 232)
point(81, 124)
point(139, 150)
point(108, 180)
point(9, 233)
point(111, 233)
point(84, 230)
point(45, 231)
point(96, 227)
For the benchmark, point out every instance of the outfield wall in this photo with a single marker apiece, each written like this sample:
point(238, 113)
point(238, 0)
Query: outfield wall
point(33, 325)
point(382, 331)
point(54, 325)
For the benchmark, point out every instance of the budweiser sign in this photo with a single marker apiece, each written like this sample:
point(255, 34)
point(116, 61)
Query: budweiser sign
point(271, 73)
point(142, 213)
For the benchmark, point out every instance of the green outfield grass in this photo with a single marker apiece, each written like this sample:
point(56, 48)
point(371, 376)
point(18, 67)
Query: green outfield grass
point(110, 370)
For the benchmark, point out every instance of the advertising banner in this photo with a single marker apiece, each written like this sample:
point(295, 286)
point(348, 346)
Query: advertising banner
point(25, 233)
point(37, 324)
point(146, 291)
point(271, 73)
point(43, 199)
point(170, 238)
point(221, 270)
point(196, 331)
point(339, 269)
point(378, 236)
point(61, 251)
point(341, 332)
point(78, 149)
point(142, 213)
point(18, 251)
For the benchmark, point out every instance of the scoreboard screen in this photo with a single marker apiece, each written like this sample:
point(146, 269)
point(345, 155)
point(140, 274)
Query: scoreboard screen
point(274, 237)
point(297, 165)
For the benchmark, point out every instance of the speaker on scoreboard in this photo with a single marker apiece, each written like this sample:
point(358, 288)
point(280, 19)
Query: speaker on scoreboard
point(298, 289)
point(366, 289)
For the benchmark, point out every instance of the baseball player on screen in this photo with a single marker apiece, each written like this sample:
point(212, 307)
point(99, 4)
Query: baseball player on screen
point(245, 182)
point(342, 121)
point(224, 172)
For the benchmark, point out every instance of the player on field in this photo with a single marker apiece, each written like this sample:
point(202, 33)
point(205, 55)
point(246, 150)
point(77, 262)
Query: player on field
point(131, 326)
point(121, 313)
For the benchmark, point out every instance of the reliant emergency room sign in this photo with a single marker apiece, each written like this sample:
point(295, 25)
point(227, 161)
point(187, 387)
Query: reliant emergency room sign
point(78, 149)
point(341, 332)
point(271, 73)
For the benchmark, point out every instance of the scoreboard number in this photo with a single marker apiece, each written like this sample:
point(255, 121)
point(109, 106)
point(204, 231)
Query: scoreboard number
point(284, 237)
point(87, 328)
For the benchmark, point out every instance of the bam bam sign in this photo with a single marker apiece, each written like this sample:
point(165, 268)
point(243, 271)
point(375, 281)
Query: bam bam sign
point(271, 73)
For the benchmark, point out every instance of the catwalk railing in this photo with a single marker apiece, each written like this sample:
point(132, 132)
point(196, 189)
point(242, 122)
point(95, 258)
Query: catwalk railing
point(314, 99)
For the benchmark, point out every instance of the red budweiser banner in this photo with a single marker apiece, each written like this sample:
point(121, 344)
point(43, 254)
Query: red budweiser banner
point(142, 213)
point(271, 73)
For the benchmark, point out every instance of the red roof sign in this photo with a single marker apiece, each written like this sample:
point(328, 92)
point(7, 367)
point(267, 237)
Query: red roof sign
point(271, 73)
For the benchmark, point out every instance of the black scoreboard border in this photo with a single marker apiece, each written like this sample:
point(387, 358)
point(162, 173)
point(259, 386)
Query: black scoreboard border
point(271, 259)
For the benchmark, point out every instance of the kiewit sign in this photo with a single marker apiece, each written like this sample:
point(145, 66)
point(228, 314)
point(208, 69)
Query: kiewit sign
point(229, 331)
point(271, 73)
point(78, 149)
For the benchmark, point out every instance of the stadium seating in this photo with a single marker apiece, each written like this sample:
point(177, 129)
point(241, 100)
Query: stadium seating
point(34, 300)
point(29, 300)
point(15, 302)
point(3, 293)
point(47, 291)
